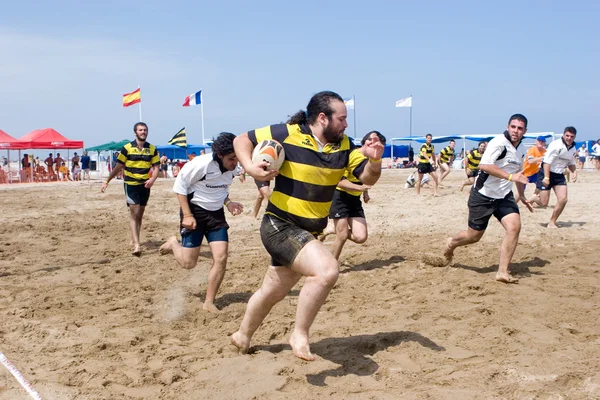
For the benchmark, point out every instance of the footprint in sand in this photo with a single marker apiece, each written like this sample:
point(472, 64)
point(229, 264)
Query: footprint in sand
point(434, 261)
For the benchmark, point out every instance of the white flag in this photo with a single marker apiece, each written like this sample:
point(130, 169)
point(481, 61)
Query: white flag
point(407, 102)
point(349, 102)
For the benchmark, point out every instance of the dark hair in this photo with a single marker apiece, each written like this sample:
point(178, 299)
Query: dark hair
point(429, 134)
point(519, 117)
point(452, 141)
point(482, 142)
point(319, 103)
point(570, 129)
point(223, 144)
point(368, 135)
point(139, 124)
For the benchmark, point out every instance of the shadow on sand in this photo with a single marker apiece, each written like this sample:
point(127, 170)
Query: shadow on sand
point(373, 264)
point(351, 352)
point(520, 269)
point(565, 224)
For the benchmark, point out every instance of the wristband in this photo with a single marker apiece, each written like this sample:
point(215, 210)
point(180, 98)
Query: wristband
point(187, 215)
point(227, 202)
point(375, 161)
point(509, 177)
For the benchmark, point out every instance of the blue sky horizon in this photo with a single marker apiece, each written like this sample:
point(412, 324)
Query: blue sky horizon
point(469, 65)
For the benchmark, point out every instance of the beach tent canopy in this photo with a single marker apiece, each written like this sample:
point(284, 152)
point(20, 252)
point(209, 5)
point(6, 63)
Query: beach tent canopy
point(175, 152)
point(48, 138)
point(110, 146)
point(10, 143)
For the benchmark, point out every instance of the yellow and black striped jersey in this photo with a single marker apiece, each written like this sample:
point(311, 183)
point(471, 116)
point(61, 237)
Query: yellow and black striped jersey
point(308, 177)
point(474, 157)
point(354, 180)
point(425, 153)
point(138, 162)
point(446, 153)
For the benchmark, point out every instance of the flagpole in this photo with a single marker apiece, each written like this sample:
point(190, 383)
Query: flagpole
point(354, 99)
point(202, 116)
point(140, 104)
point(410, 126)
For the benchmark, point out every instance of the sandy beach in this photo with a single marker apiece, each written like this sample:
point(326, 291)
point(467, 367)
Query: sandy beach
point(84, 319)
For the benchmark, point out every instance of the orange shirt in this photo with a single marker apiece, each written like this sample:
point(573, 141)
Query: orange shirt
point(531, 169)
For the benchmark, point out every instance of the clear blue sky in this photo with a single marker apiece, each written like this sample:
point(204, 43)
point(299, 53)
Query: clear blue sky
point(468, 64)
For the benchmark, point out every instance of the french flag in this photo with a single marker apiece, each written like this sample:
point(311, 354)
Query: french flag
point(193, 99)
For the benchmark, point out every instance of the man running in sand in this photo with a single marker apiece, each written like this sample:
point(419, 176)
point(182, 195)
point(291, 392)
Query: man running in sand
point(445, 157)
point(136, 158)
point(202, 188)
point(471, 164)
point(346, 212)
point(492, 195)
point(427, 164)
point(317, 154)
point(559, 156)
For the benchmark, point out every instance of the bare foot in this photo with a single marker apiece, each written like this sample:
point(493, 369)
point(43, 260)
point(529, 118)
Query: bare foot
point(448, 252)
point(137, 251)
point(552, 225)
point(300, 347)
point(210, 307)
point(241, 342)
point(506, 278)
point(167, 247)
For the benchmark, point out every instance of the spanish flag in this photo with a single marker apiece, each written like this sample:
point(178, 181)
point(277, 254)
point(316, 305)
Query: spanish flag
point(132, 98)
point(179, 139)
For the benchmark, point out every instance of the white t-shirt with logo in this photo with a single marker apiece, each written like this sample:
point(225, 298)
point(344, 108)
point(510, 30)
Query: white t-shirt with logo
point(559, 157)
point(511, 162)
point(203, 177)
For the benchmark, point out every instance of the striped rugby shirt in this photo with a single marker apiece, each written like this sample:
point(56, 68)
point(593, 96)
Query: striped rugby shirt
point(446, 154)
point(138, 162)
point(425, 153)
point(474, 158)
point(308, 177)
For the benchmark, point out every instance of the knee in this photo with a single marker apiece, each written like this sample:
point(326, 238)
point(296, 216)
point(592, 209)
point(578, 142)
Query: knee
point(514, 229)
point(189, 264)
point(342, 231)
point(563, 201)
point(360, 238)
point(328, 276)
point(220, 260)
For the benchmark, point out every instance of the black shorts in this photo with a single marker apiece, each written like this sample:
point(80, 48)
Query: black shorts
point(260, 184)
point(345, 205)
point(481, 209)
point(555, 180)
point(163, 167)
point(283, 240)
point(424, 168)
point(136, 194)
point(472, 173)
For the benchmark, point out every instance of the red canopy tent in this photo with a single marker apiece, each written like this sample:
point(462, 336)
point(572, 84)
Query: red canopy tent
point(48, 138)
point(10, 143)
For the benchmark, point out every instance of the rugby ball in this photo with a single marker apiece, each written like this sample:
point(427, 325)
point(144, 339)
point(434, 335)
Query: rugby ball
point(270, 151)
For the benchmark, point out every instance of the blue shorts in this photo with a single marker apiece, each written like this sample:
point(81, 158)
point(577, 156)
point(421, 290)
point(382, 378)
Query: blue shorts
point(191, 239)
point(532, 178)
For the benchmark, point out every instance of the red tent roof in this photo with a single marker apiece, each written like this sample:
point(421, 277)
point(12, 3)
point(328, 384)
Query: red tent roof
point(48, 138)
point(9, 142)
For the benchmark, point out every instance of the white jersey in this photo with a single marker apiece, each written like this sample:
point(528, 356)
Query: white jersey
point(501, 153)
point(203, 177)
point(559, 156)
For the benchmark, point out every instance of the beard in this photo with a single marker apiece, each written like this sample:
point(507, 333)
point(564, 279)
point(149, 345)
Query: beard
point(333, 136)
point(141, 138)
